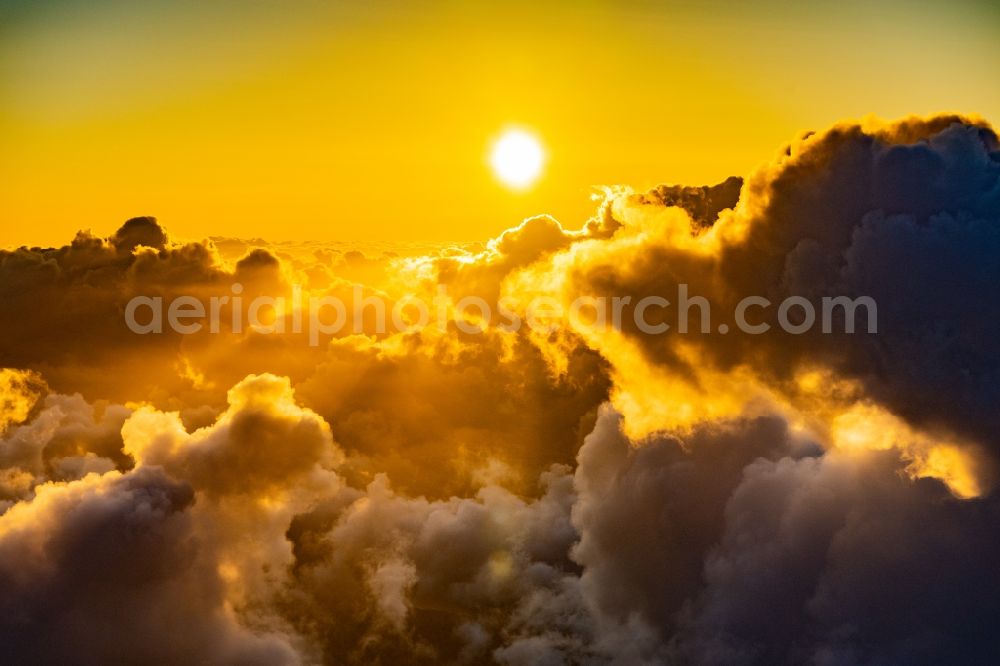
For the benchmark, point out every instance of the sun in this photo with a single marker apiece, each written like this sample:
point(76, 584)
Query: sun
point(517, 159)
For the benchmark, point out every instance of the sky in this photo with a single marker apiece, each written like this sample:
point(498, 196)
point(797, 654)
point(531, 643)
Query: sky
point(499, 335)
point(372, 122)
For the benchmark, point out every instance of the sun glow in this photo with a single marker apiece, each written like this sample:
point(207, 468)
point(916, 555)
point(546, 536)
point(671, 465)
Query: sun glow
point(517, 159)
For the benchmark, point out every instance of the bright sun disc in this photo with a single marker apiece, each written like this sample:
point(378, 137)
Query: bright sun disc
point(517, 159)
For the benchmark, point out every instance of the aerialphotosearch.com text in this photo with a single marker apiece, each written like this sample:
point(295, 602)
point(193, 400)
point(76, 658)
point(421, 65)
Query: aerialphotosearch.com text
point(363, 312)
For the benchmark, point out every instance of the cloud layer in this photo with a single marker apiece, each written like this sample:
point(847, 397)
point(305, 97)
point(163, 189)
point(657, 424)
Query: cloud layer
point(580, 496)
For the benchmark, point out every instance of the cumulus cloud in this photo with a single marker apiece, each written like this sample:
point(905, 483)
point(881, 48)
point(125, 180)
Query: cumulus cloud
point(107, 570)
point(842, 560)
point(905, 213)
point(261, 443)
point(66, 439)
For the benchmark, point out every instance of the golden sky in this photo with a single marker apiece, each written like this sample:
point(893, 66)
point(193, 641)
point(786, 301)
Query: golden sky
point(280, 481)
point(374, 122)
